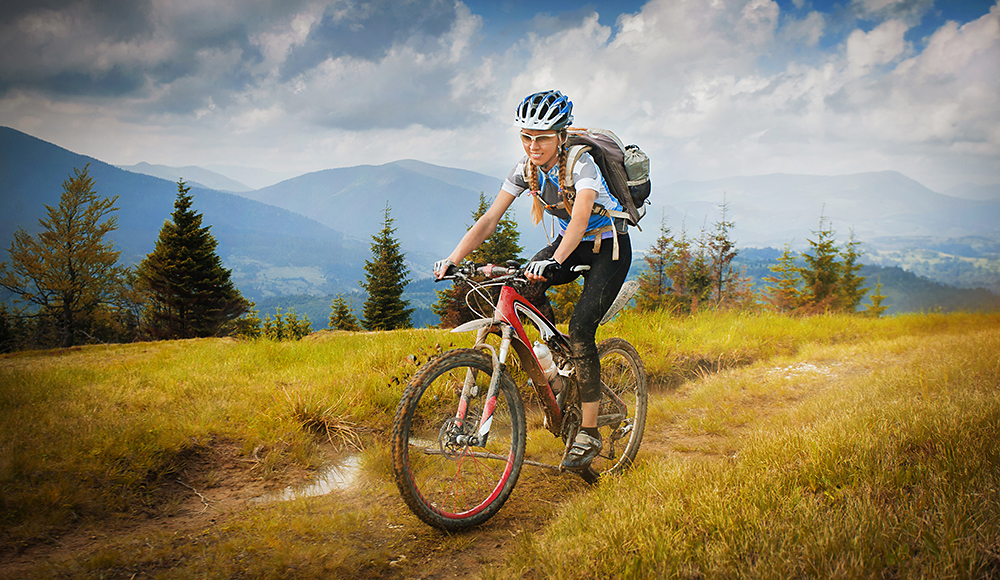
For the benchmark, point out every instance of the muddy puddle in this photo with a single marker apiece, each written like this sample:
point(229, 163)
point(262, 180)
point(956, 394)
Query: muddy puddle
point(338, 476)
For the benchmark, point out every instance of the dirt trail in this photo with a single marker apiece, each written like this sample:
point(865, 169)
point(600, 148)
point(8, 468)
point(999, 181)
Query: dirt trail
point(217, 485)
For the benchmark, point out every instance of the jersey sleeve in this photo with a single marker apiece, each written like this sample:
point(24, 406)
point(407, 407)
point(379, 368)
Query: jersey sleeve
point(515, 184)
point(586, 175)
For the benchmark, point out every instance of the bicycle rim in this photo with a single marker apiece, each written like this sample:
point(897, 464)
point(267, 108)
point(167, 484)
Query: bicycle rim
point(622, 373)
point(447, 485)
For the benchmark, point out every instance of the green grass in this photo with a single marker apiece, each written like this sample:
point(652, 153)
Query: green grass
point(96, 431)
point(888, 465)
point(829, 446)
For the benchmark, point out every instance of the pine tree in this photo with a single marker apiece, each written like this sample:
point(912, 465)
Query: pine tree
point(285, 327)
point(850, 290)
point(342, 315)
point(69, 274)
point(822, 272)
point(502, 246)
point(721, 253)
point(385, 279)
point(876, 308)
point(827, 281)
point(190, 293)
point(654, 282)
point(249, 324)
point(785, 293)
point(699, 276)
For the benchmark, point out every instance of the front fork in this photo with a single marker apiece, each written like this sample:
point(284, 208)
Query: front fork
point(470, 389)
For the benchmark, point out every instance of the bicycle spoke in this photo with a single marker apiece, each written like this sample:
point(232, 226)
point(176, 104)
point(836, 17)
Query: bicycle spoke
point(447, 484)
point(622, 416)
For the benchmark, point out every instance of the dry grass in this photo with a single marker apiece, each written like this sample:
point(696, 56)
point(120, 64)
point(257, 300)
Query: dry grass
point(775, 447)
point(872, 459)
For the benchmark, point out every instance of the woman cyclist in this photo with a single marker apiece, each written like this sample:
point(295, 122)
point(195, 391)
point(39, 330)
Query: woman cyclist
point(585, 238)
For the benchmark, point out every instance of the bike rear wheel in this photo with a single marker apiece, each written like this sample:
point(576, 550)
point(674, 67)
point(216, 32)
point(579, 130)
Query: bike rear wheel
point(445, 483)
point(623, 381)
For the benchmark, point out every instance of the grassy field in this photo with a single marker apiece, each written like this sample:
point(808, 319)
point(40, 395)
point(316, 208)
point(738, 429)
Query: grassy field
point(832, 446)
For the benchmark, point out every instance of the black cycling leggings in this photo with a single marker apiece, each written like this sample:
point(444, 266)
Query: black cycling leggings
point(600, 287)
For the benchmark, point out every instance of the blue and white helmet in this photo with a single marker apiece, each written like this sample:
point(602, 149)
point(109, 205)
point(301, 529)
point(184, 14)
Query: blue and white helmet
point(544, 111)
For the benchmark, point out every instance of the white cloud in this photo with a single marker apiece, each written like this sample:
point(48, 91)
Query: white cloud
point(709, 88)
point(806, 31)
point(881, 46)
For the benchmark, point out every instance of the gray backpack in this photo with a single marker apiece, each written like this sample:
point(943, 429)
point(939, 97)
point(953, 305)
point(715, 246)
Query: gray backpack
point(625, 169)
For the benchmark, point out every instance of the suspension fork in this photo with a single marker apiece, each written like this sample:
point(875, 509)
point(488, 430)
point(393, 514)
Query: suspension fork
point(471, 390)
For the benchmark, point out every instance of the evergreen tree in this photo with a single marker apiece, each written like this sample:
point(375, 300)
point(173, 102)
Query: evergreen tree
point(699, 277)
point(130, 304)
point(190, 293)
point(654, 283)
point(342, 315)
point(505, 242)
point(850, 290)
point(826, 281)
point(287, 327)
point(385, 279)
point(822, 273)
point(502, 246)
point(69, 274)
point(876, 308)
point(676, 278)
point(721, 252)
point(248, 325)
point(679, 273)
point(785, 293)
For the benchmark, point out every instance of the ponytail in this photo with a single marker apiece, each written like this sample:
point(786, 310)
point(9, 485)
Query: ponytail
point(537, 209)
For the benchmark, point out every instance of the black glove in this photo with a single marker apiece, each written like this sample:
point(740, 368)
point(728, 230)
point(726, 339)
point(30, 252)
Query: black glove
point(443, 267)
point(542, 267)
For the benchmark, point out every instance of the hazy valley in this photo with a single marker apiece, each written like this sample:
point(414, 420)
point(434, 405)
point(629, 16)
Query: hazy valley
point(308, 236)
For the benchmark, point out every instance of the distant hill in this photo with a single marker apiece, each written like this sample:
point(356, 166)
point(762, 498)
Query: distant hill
point(192, 175)
point(311, 234)
point(904, 291)
point(272, 250)
point(976, 191)
point(898, 220)
point(432, 206)
point(773, 210)
point(254, 177)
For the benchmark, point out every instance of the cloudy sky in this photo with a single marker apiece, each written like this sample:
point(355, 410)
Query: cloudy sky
point(709, 88)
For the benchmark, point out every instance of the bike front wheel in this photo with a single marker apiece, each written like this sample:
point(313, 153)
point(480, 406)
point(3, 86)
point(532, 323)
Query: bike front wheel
point(622, 417)
point(446, 482)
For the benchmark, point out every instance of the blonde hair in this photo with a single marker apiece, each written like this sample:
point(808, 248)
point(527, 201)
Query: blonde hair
point(566, 187)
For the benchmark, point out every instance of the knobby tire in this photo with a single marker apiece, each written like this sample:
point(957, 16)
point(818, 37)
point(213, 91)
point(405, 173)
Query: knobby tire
point(446, 485)
point(623, 372)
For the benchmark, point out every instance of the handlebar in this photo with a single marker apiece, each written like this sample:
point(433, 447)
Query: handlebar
point(512, 271)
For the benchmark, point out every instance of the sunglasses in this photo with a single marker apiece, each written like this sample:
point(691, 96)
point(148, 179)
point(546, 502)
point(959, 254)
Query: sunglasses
point(543, 139)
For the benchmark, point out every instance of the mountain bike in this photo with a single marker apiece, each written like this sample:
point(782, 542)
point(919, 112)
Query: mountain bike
point(458, 439)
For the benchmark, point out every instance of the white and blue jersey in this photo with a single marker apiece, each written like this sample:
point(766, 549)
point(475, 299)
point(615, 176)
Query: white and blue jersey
point(586, 175)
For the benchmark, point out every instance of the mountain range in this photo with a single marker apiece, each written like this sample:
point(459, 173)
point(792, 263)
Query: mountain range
point(191, 174)
point(311, 234)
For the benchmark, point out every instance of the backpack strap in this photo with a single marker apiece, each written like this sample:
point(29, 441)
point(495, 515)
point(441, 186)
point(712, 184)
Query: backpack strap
point(573, 154)
point(598, 232)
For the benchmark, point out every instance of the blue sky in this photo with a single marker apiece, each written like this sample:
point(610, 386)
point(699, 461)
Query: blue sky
point(710, 88)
